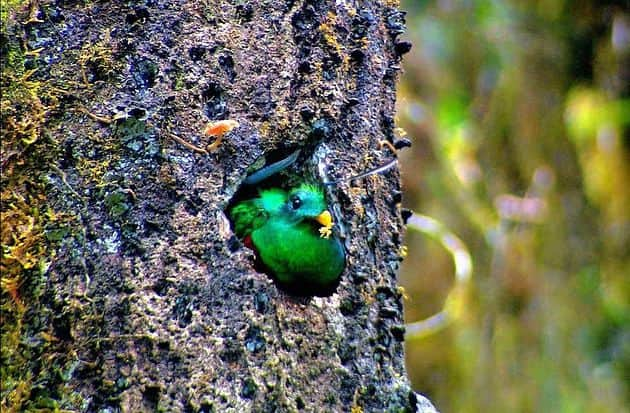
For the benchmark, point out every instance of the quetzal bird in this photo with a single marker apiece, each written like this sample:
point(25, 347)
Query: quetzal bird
point(290, 231)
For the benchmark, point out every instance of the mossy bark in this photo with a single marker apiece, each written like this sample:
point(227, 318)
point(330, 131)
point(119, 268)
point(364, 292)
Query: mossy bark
point(144, 300)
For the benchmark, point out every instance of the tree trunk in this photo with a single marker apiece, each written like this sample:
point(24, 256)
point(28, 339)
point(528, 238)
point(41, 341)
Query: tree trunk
point(124, 288)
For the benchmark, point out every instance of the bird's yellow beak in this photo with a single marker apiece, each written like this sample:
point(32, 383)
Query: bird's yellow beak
point(325, 219)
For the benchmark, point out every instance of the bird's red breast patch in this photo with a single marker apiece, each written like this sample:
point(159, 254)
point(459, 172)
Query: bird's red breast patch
point(247, 241)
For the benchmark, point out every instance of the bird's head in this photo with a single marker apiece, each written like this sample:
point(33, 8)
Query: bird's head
point(307, 202)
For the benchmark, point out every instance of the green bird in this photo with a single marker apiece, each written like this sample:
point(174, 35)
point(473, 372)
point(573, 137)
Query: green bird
point(291, 233)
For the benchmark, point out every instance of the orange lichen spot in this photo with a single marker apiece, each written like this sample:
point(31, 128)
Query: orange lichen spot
point(11, 285)
point(331, 17)
point(218, 129)
point(328, 31)
point(22, 239)
point(96, 62)
point(265, 129)
point(282, 118)
point(48, 337)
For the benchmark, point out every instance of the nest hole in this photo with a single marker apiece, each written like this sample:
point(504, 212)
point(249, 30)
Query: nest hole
point(287, 178)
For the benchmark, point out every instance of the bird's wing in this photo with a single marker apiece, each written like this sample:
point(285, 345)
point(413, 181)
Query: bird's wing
point(248, 216)
point(252, 214)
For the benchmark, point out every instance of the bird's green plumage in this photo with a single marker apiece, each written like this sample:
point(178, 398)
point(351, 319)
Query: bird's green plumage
point(284, 231)
point(252, 214)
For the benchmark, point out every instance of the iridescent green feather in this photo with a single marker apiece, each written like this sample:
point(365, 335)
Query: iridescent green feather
point(250, 215)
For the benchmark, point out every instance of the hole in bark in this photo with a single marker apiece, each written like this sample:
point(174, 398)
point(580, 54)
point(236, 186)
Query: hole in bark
point(299, 403)
point(227, 64)
point(244, 221)
point(197, 53)
point(151, 396)
point(144, 73)
point(139, 14)
point(245, 12)
point(215, 105)
point(249, 388)
point(206, 407)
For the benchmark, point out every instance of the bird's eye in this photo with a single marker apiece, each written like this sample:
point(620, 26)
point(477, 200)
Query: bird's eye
point(296, 202)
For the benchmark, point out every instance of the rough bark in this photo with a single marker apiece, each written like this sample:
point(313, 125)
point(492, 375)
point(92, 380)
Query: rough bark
point(145, 300)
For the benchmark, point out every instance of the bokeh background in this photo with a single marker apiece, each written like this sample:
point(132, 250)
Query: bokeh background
point(519, 112)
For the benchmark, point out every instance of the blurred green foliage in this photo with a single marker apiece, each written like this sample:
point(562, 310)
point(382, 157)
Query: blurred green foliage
point(520, 116)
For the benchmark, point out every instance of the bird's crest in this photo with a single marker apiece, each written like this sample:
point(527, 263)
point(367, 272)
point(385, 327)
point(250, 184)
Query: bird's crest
point(310, 187)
